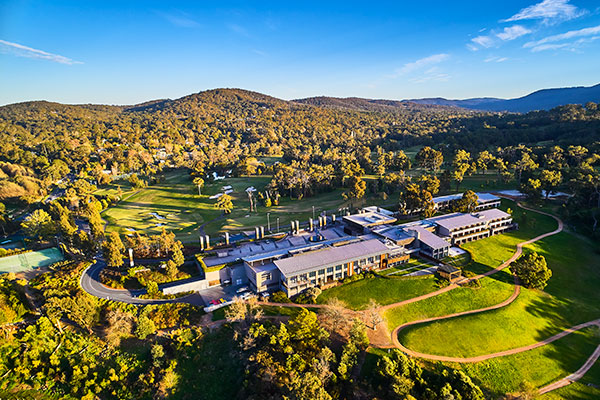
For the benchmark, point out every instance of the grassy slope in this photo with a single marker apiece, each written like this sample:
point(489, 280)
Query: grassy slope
point(357, 294)
point(571, 297)
point(486, 253)
point(539, 367)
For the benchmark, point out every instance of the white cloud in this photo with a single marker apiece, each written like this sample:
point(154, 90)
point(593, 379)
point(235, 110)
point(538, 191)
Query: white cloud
point(240, 30)
point(24, 51)
point(181, 21)
point(422, 63)
point(513, 32)
point(594, 30)
point(548, 10)
point(483, 41)
point(571, 46)
point(495, 59)
point(438, 77)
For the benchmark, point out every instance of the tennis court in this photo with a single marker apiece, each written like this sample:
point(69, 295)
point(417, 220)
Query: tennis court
point(31, 260)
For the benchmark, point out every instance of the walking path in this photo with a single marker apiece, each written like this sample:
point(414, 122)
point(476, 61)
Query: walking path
point(556, 385)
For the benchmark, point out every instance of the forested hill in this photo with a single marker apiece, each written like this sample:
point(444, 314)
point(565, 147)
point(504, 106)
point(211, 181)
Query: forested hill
point(544, 99)
point(359, 104)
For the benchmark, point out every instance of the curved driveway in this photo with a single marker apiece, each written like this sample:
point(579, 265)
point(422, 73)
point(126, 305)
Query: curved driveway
point(90, 282)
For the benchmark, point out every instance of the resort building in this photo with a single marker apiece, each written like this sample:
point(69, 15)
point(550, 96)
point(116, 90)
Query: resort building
point(484, 201)
point(368, 240)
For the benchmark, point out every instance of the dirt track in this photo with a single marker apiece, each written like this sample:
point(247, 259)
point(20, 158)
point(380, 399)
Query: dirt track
point(553, 386)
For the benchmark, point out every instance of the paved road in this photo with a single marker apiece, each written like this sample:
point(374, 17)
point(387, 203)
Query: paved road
point(90, 282)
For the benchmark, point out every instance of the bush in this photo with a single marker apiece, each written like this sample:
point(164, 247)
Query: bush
point(309, 296)
point(280, 297)
point(144, 327)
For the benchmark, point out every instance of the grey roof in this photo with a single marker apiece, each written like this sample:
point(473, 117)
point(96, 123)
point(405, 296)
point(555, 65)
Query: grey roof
point(369, 218)
point(330, 255)
point(448, 268)
point(493, 213)
point(481, 197)
point(431, 239)
point(392, 232)
point(459, 220)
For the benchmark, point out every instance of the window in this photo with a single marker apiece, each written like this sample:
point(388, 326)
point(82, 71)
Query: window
point(378, 258)
point(267, 276)
point(321, 272)
point(338, 267)
point(312, 274)
point(363, 261)
point(338, 276)
point(371, 260)
point(329, 270)
point(303, 277)
point(293, 279)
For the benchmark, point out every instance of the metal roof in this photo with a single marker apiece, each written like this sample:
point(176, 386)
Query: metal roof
point(369, 218)
point(459, 220)
point(430, 239)
point(330, 256)
point(481, 197)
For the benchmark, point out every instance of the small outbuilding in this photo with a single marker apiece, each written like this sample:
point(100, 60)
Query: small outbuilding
point(449, 272)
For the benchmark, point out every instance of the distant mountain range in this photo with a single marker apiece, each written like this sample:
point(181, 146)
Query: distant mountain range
point(544, 99)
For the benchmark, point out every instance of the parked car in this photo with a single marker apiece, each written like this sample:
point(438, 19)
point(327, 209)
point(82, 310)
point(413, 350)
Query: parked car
point(214, 302)
point(247, 295)
point(265, 295)
point(227, 282)
point(222, 300)
point(242, 289)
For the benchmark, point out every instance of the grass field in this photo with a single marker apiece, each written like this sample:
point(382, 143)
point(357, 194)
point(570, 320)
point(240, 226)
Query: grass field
point(485, 254)
point(571, 297)
point(537, 367)
point(182, 211)
point(384, 291)
point(30, 260)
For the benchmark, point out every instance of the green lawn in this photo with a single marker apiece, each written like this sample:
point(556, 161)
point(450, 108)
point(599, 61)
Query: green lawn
point(485, 182)
point(183, 211)
point(485, 254)
point(571, 297)
point(538, 367)
point(384, 291)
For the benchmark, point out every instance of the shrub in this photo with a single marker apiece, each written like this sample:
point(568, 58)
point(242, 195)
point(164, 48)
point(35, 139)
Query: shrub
point(280, 297)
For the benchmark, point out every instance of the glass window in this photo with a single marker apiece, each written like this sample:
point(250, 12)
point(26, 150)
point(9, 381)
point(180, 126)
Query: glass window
point(371, 260)
point(321, 272)
point(312, 274)
point(329, 270)
point(266, 276)
point(338, 267)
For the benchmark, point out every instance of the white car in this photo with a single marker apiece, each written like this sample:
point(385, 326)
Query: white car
point(242, 289)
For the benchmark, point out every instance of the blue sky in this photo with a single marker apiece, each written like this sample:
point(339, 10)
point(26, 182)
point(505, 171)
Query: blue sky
point(125, 52)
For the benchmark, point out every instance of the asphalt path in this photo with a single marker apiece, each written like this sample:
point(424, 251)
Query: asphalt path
point(90, 283)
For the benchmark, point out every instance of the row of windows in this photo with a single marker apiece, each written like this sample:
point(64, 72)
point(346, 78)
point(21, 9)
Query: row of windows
point(330, 270)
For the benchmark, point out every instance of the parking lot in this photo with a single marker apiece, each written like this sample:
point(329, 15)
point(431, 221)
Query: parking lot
point(219, 292)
